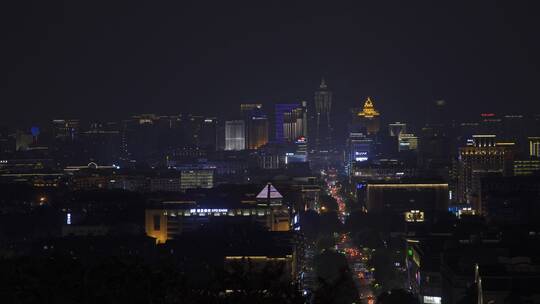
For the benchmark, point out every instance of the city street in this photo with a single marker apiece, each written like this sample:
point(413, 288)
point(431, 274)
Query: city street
point(357, 258)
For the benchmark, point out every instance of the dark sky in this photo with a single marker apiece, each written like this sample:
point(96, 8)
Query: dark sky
point(106, 60)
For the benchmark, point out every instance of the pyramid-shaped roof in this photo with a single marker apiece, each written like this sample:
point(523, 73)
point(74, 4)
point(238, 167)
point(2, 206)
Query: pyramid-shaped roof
point(369, 110)
point(269, 192)
point(368, 103)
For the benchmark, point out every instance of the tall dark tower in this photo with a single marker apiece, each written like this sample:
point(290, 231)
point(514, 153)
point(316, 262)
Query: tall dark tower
point(323, 126)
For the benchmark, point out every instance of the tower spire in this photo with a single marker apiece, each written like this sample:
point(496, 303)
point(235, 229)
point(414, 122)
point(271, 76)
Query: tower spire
point(323, 83)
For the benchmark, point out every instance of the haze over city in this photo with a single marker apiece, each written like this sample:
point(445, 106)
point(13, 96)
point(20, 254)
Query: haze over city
point(270, 152)
point(76, 59)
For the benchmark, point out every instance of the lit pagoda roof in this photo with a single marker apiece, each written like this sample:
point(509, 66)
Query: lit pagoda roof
point(369, 110)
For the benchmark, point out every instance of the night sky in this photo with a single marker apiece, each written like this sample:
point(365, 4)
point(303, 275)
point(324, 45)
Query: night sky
point(106, 60)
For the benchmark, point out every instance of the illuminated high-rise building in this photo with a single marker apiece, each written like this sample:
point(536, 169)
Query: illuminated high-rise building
point(257, 131)
point(359, 149)
point(482, 157)
point(300, 152)
point(235, 138)
point(426, 198)
point(360, 145)
point(323, 125)
point(301, 147)
point(295, 123)
point(256, 123)
point(368, 118)
point(291, 122)
point(280, 110)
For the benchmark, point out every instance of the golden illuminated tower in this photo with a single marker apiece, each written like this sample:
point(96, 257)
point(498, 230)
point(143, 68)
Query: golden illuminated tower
point(368, 118)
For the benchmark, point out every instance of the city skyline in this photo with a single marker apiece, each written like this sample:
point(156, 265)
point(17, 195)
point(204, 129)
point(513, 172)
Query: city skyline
point(98, 66)
point(273, 152)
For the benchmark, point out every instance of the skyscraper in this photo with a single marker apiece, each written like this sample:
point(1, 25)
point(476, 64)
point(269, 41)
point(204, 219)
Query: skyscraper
point(483, 157)
point(368, 118)
point(256, 123)
point(257, 131)
point(235, 138)
point(323, 126)
point(358, 150)
point(291, 122)
point(295, 123)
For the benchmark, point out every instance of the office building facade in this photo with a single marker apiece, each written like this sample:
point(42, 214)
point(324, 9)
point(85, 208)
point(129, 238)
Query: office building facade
point(196, 178)
point(290, 122)
point(235, 138)
point(483, 157)
point(425, 197)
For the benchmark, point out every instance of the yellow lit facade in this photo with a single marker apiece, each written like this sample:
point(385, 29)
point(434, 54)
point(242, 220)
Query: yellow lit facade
point(257, 132)
point(408, 186)
point(534, 146)
point(369, 117)
point(423, 198)
point(526, 167)
point(485, 158)
point(165, 224)
point(369, 110)
point(155, 222)
point(414, 216)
